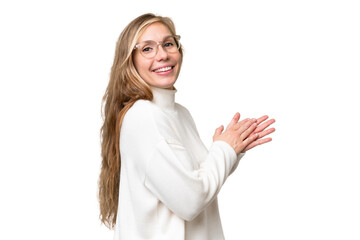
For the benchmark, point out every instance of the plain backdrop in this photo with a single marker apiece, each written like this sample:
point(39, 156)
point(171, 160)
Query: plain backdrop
point(296, 61)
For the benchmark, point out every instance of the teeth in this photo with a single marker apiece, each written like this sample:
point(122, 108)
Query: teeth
point(164, 69)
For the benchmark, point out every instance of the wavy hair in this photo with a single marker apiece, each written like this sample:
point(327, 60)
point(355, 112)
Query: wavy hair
point(124, 89)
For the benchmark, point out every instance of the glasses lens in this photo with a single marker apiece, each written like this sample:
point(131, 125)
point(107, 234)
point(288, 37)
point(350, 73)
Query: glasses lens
point(170, 44)
point(148, 49)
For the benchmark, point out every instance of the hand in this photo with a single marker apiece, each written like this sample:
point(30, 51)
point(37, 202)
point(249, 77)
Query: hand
point(238, 134)
point(261, 131)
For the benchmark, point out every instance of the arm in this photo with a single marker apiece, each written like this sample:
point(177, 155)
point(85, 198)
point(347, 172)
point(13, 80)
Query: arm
point(158, 160)
point(188, 192)
point(185, 192)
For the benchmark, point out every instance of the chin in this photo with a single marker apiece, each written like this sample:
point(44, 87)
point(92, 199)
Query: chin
point(165, 84)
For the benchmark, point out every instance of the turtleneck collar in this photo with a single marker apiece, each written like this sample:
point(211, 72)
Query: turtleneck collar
point(164, 98)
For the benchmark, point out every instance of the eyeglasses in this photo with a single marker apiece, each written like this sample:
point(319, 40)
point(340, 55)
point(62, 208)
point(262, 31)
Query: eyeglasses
point(149, 48)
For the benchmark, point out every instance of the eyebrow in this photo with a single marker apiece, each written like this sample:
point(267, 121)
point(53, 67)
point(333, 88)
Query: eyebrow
point(156, 41)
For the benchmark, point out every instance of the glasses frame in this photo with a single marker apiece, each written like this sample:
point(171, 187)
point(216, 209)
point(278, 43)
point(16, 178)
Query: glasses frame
point(177, 41)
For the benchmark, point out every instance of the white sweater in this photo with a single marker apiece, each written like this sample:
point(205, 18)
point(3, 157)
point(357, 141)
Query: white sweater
point(169, 180)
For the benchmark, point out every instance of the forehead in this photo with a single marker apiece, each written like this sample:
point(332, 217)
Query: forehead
point(155, 31)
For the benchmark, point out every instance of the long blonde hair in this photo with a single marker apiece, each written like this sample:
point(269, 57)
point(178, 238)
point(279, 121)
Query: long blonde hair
point(124, 89)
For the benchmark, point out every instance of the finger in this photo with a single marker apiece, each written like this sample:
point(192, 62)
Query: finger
point(241, 126)
point(257, 143)
point(266, 124)
point(249, 140)
point(261, 119)
point(219, 130)
point(234, 120)
point(266, 132)
point(248, 131)
point(242, 122)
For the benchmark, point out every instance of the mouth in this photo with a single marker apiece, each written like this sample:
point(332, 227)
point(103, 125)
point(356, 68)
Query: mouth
point(163, 70)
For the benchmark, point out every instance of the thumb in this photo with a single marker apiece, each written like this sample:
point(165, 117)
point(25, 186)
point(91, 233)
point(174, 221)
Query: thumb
point(219, 130)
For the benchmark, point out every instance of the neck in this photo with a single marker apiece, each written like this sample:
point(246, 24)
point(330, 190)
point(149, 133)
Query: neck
point(164, 98)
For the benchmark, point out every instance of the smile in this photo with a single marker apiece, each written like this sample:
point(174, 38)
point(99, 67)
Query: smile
point(163, 69)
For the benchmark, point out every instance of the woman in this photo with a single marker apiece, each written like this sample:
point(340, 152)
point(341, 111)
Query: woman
point(169, 179)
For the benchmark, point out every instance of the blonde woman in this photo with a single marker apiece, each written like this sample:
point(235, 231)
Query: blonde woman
point(158, 180)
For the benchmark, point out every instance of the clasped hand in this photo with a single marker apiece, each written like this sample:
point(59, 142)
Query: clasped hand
point(246, 134)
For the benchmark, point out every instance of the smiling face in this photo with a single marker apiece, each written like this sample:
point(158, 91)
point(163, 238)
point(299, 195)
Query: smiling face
point(162, 70)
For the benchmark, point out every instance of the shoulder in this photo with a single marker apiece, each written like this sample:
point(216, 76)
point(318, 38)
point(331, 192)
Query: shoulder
point(139, 108)
point(138, 128)
point(146, 119)
point(144, 111)
point(139, 114)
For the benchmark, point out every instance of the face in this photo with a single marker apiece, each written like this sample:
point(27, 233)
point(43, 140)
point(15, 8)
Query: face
point(162, 70)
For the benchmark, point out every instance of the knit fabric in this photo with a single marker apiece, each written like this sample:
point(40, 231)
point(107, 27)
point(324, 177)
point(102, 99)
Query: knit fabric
point(169, 180)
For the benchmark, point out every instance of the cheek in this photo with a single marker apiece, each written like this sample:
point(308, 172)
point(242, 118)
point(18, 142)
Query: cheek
point(141, 65)
point(178, 58)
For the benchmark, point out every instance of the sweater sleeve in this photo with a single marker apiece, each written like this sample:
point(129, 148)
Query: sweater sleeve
point(188, 192)
point(188, 115)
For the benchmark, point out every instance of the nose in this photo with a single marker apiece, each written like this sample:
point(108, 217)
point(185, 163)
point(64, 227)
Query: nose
point(161, 53)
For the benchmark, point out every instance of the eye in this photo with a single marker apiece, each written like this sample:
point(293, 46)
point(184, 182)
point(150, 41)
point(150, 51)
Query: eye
point(169, 42)
point(147, 49)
